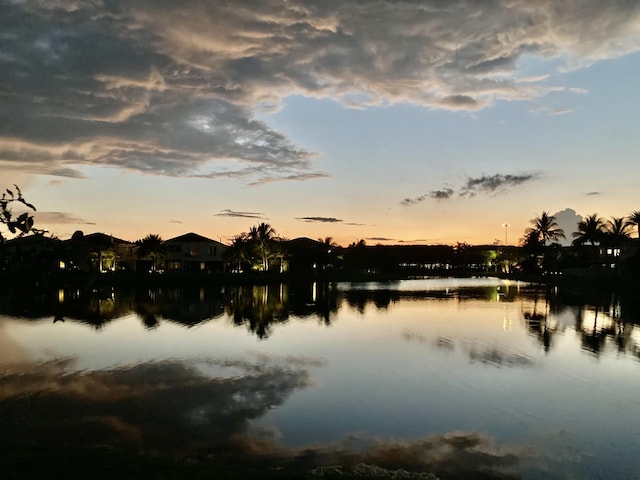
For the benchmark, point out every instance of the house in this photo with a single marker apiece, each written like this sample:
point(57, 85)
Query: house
point(31, 253)
point(99, 252)
point(194, 253)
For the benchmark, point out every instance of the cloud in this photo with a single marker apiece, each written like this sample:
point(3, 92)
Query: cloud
point(551, 111)
point(175, 221)
point(560, 111)
point(319, 219)
point(355, 224)
point(442, 194)
point(593, 193)
point(488, 184)
point(567, 220)
point(233, 213)
point(298, 177)
point(381, 239)
point(493, 184)
point(59, 218)
point(176, 89)
point(579, 90)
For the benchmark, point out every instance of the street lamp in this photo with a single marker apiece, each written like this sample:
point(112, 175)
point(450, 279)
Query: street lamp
point(506, 232)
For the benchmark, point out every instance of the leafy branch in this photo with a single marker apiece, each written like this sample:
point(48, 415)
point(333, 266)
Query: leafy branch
point(17, 225)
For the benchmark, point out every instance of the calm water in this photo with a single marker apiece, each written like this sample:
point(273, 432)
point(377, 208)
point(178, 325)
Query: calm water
point(444, 375)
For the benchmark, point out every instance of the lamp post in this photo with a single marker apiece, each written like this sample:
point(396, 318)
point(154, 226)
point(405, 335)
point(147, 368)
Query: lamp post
point(506, 232)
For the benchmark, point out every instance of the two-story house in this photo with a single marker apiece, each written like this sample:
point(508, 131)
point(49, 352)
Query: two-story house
point(194, 253)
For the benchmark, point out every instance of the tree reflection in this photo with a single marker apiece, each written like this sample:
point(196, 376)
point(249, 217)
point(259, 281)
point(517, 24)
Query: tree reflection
point(603, 319)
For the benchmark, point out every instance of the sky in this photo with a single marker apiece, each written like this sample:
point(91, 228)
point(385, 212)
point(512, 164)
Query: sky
point(391, 121)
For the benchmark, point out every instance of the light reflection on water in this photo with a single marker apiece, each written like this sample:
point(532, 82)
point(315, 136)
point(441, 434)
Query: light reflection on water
point(536, 382)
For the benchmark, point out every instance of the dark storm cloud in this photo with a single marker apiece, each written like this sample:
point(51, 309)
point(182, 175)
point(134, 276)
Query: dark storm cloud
point(494, 183)
point(319, 219)
point(233, 213)
point(174, 88)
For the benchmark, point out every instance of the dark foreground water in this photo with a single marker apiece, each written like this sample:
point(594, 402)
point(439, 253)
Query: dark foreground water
point(464, 378)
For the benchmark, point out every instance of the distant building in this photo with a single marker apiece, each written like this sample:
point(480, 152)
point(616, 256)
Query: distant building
point(194, 253)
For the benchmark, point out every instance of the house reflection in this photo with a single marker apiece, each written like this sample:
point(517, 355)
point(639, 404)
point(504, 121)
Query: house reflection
point(605, 321)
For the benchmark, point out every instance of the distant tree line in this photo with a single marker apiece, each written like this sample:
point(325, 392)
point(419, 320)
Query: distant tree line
point(598, 244)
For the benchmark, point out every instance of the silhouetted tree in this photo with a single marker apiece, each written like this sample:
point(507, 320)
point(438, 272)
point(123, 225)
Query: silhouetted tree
point(617, 229)
point(544, 228)
point(238, 254)
point(326, 252)
point(590, 230)
point(263, 236)
point(634, 220)
point(152, 248)
point(23, 223)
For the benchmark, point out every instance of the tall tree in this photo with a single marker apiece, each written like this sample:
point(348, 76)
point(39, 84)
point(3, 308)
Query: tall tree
point(617, 228)
point(590, 229)
point(152, 248)
point(238, 254)
point(633, 220)
point(326, 252)
point(544, 229)
point(263, 236)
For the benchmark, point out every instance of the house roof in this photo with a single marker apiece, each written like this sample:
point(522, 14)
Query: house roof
point(98, 239)
point(28, 240)
point(193, 238)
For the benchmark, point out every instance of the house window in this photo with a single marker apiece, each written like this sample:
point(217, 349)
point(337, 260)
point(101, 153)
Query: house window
point(213, 251)
point(202, 266)
point(193, 251)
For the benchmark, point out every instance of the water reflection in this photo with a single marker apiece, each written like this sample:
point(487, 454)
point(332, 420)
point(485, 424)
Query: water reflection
point(507, 366)
point(604, 320)
point(156, 406)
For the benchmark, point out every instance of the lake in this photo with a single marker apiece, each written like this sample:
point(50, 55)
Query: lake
point(451, 376)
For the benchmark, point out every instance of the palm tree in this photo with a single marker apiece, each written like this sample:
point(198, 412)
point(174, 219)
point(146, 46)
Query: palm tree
point(618, 228)
point(239, 252)
point(544, 228)
point(634, 220)
point(590, 229)
point(326, 252)
point(263, 235)
point(152, 248)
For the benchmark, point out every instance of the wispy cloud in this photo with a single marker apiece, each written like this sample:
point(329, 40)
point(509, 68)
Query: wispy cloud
point(579, 90)
point(486, 184)
point(442, 194)
point(320, 219)
point(381, 239)
point(60, 218)
point(175, 221)
point(297, 178)
point(493, 184)
point(234, 213)
point(593, 193)
point(543, 110)
point(175, 89)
